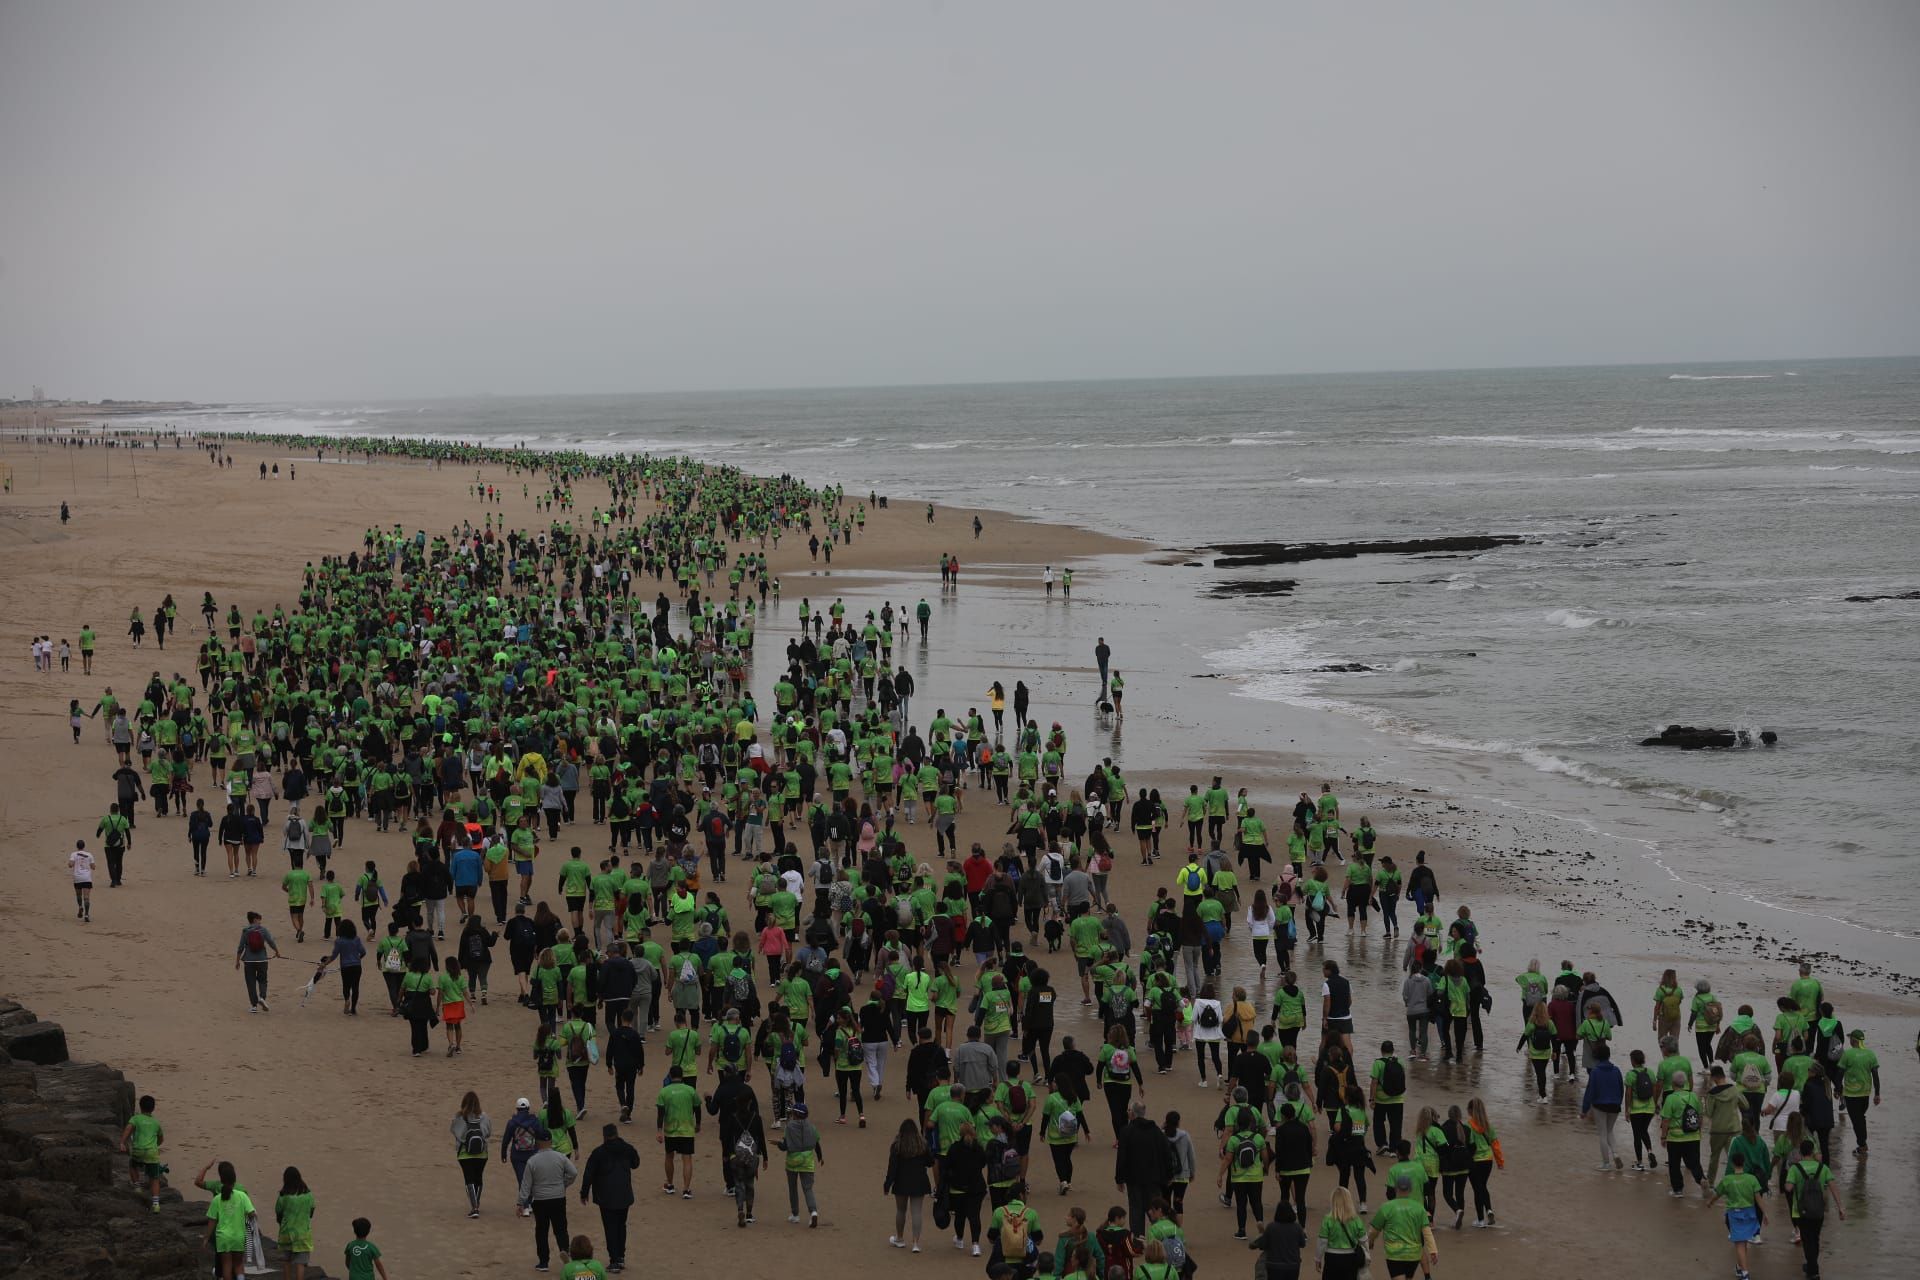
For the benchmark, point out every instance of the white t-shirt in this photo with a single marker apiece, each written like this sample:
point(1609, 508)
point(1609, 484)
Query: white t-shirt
point(1218, 1031)
point(80, 862)
point(1260, 928)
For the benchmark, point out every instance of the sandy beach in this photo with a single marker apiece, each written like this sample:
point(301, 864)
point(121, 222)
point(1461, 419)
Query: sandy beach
point(149, 985)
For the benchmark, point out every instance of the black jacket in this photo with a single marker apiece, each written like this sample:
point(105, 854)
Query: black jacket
point(608, 1178)
point(908, 1177)
point(1144, 1157)
point(926, 1067)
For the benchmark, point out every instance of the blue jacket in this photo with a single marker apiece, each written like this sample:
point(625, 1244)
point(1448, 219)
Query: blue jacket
point(1605, 1088)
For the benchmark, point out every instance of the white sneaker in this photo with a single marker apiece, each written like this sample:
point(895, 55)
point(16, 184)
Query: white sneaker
point(958, 1243)
point(793, 1217)
point(896, 1242)
point(976, 1251)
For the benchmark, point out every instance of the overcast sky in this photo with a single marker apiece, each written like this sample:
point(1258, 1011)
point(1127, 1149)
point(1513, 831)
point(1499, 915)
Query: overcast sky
point(226, 201)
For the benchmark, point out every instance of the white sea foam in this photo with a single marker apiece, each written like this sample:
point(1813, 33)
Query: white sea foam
point(1720, 377)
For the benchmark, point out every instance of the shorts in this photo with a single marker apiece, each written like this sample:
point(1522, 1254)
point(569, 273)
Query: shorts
point(1084, 964)
point(83, 884)
point(679, 1146)
point(300, 1259)
point(149, 1169)
point(1340, 1026)
point(524, 867)
point(576, 902)
point(453, 1012)
point(1402, 1268)
point(1743, 1224)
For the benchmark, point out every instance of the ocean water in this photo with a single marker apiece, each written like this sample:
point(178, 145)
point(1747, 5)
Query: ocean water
point(1692, 533)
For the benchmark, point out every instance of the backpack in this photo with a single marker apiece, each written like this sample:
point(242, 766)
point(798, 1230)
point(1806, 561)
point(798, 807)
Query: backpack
point(1120, 1002)
point(732, 1041)
point(472, 1142)
point(1690, 1119)
point(1436, 1001)
point(524, 1140)
point(1750, 1078)
point(1016, 1102)
point(746, 1155)
point(789, 1056)
point(475, 949)
point(576, 1051)
point(544, 1059)
point(1643, 1086)
point(1209, 1017)
point(1014, 1241)
point(1246, 1154)
point(1540, 1037)
point(1836, 1045)
point(256, 938)
point(816, 961)
point(1176, 1250)
point(1809, 1198)
point(1457, 1155)
point(1712, 1013)
point(1193, 879)
point(1066, 1124)
point(740, 986)
point(1006, 1163)
point(1393, 1078)
point(1121, 1063)
point(688, 973)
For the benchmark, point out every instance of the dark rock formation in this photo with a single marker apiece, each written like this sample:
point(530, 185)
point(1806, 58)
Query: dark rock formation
point(1332, 668)
point(1688, 738)
point(65, 1206)
point(1904, 595)
point(1243, 555)
point(1254, 587)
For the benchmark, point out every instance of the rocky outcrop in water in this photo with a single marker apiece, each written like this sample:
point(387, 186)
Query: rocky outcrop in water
point(1904, 595)
point(65, 1207)
point(1688, 738)
point(1246, 555)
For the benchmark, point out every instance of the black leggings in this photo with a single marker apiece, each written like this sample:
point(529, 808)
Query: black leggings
point(966, 1213)
point(1200, 1048)
point(1246, 1195)
point(1453, 1188)
point(1540, 1075)
point(1357, 1172)
point(1119, 1096)
point(1481, 1173)
point(1642, 1124)
point(1293, 1186)
point(350, 987)
point(1062, 1160)
point(850, 1080)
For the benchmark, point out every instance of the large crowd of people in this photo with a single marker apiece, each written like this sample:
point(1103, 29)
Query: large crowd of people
point(580, 768)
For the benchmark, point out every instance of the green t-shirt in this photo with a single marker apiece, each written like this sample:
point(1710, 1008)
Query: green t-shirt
point(1857, 1066)
point(296, 883)
point(144, 1142)
point(585, 1267)
point(1379, 1073)
point(575, 876)
point(360, 1256)
point(1674, 1110)
point(678, 1102)
point(295, 1216)
point(1400, 1222)
point(1739, 1190)
point(229, 1216)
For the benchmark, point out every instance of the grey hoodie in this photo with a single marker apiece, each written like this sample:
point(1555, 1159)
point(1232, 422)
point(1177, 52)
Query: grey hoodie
point(547, 1176)
point(1414, 992)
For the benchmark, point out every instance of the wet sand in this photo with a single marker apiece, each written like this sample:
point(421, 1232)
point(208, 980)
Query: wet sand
point(149, 985)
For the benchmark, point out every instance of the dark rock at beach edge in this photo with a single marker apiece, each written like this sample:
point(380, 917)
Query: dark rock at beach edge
point(1688, 738)
point(1904, 595)
point(1247, 555)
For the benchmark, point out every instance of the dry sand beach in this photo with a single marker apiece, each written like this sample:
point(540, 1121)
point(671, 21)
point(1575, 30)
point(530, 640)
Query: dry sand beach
point(149, 985)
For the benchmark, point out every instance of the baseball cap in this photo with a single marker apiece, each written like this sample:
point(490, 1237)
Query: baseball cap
point(523, 1105)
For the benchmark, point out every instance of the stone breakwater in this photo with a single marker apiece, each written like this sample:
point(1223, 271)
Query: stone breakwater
point(66, 1208)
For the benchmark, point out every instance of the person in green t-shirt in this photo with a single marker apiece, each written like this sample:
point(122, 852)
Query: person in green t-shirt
point(1402, 1223)
point(1682, 1119)
point(581, 1262)
point(1741, 1190)
point(676, 1124)
point(1859, 1080)
point(293, 1216)
point(141, 1139)
point(363, 1255)
point(228, 1215)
